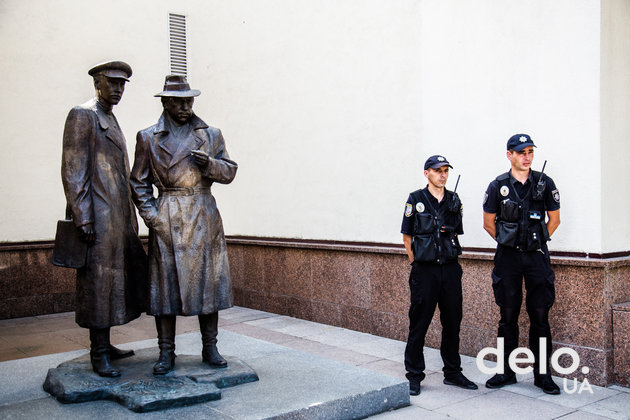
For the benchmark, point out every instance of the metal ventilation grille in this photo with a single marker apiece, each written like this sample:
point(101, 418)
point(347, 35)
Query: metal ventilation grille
point(177, 43)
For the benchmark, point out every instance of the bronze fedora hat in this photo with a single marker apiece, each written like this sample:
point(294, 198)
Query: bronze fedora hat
point(175, 85)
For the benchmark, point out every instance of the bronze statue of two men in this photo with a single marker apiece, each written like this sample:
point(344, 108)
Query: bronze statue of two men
point(186, 272)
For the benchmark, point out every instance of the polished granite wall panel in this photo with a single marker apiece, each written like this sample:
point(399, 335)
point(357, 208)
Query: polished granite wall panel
point(288, 271)
point(598, 362)
point(31, 285)
point(433, 338)
point(253, 269)
point(365, 288)
point(299, 307)
point(355, 318)
point(326, 313)
point(9, 275)
point(276, 303)
point(390, 325)
point(619, 276)
point(389, 283)
point(342, 278)
point(620, 313)
point(237, 295)
point(621, 343)
point(235, 258)
point(579, 314)
point(479, 309)
point(347, 286)
point(253, 288)
point(26, 272)
point(473, 339)
point(254, 299)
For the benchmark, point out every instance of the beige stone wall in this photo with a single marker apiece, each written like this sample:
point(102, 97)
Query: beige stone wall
point(330, 107)
point(615, 122)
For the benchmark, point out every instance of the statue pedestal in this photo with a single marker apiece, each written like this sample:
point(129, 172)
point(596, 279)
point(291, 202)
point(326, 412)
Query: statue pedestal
point(293, 384)
point(190, 382)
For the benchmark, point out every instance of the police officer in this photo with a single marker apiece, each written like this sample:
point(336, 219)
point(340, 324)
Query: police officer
point(521, 210)
point(430, 226)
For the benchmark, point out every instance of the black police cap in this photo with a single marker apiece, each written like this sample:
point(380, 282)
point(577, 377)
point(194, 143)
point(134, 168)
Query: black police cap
point(519, 141)
point(436, 161)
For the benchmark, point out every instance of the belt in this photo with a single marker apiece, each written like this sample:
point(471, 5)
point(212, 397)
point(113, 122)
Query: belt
point(523, 249)
point(184, 191)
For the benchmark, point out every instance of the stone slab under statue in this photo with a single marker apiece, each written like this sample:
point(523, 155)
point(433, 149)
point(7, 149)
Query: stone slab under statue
point(190, 382)
point(292, 384)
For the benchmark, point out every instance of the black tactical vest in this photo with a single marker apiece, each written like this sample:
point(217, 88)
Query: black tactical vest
point(434, 236)
point(521, 220)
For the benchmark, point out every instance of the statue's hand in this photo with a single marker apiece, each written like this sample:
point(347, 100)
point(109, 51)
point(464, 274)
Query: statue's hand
point(87, 234)
point(201, 157)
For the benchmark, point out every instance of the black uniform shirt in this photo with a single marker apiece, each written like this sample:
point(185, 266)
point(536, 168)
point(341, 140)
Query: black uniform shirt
point(551, 196)
point(410, 210)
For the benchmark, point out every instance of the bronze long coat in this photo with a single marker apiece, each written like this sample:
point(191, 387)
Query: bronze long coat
point(188, 265)
point(111, 288)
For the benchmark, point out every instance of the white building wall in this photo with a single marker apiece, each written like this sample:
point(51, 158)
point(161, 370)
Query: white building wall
point(615, 125)
point(497, 68)
point(329, 107)
point(46, 51)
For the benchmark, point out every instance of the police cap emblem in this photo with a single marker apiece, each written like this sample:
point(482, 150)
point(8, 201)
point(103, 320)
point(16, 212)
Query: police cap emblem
point(420, 207)
point(522, 139)
point(504, 191)
point(441, 159)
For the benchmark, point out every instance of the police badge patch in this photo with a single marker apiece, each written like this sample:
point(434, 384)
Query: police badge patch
point(420, 207)
point(408, 209)
point(504, 191)
point(556, 196)
point(485, 198)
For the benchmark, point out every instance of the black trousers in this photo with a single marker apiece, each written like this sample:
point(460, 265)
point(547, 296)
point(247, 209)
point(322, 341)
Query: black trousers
point(510, 267)
point(431, 285)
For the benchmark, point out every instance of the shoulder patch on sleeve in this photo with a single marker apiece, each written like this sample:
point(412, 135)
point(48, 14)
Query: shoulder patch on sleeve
point(408, 210)
point(485, 198)
point(556, 196)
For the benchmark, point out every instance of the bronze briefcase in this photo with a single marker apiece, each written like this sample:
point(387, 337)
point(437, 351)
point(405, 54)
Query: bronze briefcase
point(69, 250)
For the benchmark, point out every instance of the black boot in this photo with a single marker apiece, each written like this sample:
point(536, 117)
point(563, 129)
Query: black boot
point(209, 330)
point(165, 326)
point(546, 384)
point(99, 353)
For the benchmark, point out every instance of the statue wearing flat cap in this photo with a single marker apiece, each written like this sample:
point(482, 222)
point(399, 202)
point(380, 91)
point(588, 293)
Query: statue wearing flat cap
point(111, 287)
point(182, 157)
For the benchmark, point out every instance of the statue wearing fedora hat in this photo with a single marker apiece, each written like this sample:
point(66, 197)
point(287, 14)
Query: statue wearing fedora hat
point(188, 266)
point(111, 286)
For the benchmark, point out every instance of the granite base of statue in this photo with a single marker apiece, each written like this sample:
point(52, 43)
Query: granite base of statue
point(190, 382)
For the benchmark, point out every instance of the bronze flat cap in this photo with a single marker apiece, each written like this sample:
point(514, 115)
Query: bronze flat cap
point(113, 69)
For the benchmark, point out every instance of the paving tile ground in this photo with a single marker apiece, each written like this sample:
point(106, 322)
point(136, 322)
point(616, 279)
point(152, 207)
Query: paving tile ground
point(50, 334)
